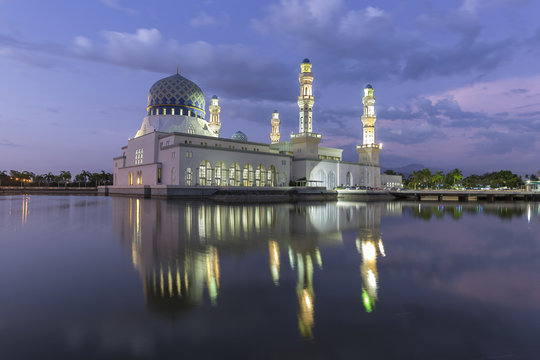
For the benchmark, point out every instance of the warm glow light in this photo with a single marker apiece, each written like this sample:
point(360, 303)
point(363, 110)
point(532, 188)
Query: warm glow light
point(307, 300)
point(381, 248)
point(368, 251)
point(371, 280)
point(273, 249)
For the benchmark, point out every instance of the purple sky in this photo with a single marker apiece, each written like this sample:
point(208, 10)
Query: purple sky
point(457, 82)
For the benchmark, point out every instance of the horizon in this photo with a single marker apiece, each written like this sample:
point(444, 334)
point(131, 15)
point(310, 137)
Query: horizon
point(456, 84)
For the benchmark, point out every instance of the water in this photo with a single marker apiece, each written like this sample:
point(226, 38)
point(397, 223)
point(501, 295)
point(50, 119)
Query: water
point(106, 277)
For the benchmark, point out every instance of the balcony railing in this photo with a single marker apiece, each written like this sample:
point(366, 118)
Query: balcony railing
point(299, 135)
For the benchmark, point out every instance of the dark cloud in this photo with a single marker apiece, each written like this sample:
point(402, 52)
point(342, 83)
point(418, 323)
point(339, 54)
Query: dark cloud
point(503, 142)
point(517, 91)
point(530, 114)
point(444, 112)
point(368, 43)
point(8, 143)
point(237, 70)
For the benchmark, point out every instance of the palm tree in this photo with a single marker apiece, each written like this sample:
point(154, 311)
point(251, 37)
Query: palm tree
point(80, 178)
point(49, 178)
point(87, 175)
point(16, 175)
point(39, 179)
point(65, 176)
point(456, 176)
point(3, 175)
point(438, 177)
point(425, 177)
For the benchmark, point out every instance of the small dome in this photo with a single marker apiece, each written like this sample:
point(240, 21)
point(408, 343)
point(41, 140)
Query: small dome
point(239, 136)
point(214, 97)
point(275, 111)
point(176, 92)
point(368, 86)
point(306, 60)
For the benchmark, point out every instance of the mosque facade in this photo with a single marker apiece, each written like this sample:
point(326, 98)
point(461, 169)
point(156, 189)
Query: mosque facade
point(176, 146)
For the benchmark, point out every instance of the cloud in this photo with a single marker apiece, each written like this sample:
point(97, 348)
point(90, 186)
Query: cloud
point(238, 70)
point(8, 143)
point(115, 4)
point(203, 20)
point(472, 6)
point(369, 44)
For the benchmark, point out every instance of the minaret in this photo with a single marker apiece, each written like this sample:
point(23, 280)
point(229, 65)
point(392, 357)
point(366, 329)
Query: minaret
point(306, 99)
point(368, 152)
point(275, 135)
point(305, 142)
point(214, 108)
point(369, 117)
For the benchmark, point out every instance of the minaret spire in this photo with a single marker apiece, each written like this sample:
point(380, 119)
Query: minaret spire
point(177, 68)
point(306, 142)
point(368, 152)
point(369, 117)
point(214, 124)
point(305, 99)
point(274, 134)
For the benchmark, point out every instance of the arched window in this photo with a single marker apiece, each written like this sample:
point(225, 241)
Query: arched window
point(271, 176)
point(220, 174)
point(188, 176)
point(331, 180)
point(321, 178)
point(348, 179)
point(205, 173)
point(130, 178)
point(247, 175)
point(234, 174)
point(173, 176)
point(260, 176)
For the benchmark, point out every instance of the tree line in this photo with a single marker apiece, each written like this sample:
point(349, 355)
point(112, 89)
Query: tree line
point(425, 179)
point(64, 178)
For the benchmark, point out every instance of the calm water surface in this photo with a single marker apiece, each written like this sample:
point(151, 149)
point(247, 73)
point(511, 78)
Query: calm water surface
point(114, 278)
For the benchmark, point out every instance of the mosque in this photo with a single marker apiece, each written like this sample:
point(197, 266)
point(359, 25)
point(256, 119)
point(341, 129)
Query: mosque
point(179, 146)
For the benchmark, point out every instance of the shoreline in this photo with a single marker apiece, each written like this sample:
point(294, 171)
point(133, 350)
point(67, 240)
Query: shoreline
point(282, 194)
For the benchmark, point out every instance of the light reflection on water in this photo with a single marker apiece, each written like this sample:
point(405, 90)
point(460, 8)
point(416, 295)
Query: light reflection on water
point(433, 274)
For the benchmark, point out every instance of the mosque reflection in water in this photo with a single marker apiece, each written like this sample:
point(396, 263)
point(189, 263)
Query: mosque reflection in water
point(176, 246)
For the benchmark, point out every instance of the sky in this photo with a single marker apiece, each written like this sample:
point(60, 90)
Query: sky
point(457, 83)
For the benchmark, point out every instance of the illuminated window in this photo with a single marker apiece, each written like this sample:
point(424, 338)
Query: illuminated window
point(130, 178)
point(205, 173)
point(234, 174)
point(159, 175)
point(271, 176)
point(260, 176)
point(247, 175)
point(138, 156)
point(220, 174)
point(188, 176)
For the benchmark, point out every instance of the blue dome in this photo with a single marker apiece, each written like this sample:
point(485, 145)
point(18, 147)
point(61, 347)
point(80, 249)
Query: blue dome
point(239, 136)
point(368, 86)
point(176, 92)
point(306, 60)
